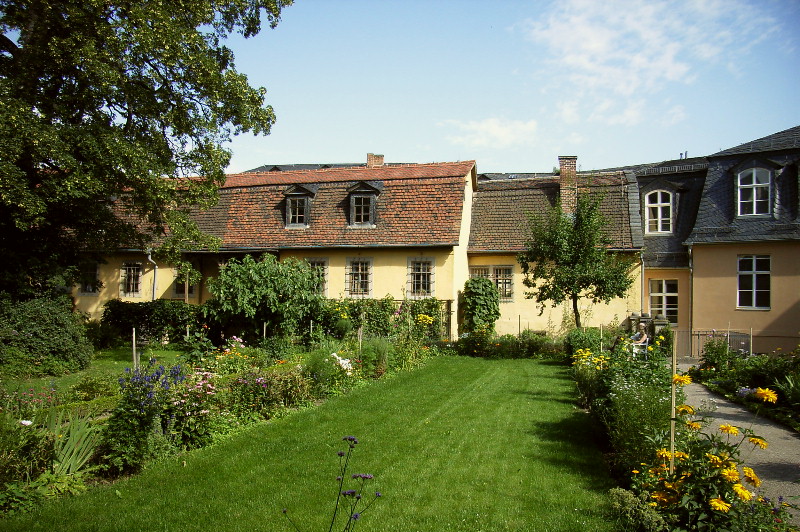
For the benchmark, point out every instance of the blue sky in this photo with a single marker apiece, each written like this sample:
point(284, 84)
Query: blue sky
point(513, 84)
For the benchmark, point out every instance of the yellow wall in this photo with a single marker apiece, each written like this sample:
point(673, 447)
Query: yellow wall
point(684, 292)
point(521, 313)
point(715, 289)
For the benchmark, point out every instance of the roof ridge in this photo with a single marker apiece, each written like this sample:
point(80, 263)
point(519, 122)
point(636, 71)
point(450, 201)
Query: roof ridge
point(342, 168)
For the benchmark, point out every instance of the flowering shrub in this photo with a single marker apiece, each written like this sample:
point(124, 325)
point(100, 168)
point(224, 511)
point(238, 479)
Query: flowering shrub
point(140, 425)
point(261, 394)
point(709, 487)
point(230, 358)
point(350, 504)
point(192, 409)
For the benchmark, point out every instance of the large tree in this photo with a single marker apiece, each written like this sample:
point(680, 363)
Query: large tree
point(107, 108)
point(569, 256)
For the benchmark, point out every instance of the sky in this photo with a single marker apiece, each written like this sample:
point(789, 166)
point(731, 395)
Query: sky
point(513, 84)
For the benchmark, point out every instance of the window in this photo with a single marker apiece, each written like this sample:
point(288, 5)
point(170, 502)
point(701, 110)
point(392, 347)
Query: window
point(502, 276)
point(658, 212)
point(754, 191)
point(361, 207)
point(131, 279)
point(754, 282)
point(664, 299)
point(179, 287)
point(88, 283)
point(297, 211)
point(420, 277)
point(321, 265)
point(358, 277)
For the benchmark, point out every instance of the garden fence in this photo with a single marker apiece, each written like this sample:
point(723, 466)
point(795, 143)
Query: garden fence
point(690, 342)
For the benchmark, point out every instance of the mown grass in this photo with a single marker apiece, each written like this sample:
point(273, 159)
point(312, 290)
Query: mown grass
point(458, 445)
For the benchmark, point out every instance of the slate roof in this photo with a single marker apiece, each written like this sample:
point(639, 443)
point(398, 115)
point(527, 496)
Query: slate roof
point(500, 206)
point(418, 205)
point(717, 219)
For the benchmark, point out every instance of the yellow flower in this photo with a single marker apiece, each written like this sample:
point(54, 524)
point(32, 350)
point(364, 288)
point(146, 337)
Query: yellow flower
point(729, 429)
point(649, 347)
point(731, 475)
point(662, 497)
point(663, 454)
point(635, 471)
point(766, 395)
point(720, 505)
point(694, 425)
point(680, 455)
point(751, 477)
point(660, 337)
point(684, 409)
point(681, 380)
point(715, 460)
point(759, 442)
point(742, 492)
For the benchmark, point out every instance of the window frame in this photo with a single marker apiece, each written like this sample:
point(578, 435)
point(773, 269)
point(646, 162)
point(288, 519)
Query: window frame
point(321, 264)
point(755, 277)
point(418, 279)
point(86, 287)
point(177, 291)
point(294, 218)
point(491, 272)
point(358, 211)
point(364, 279)
point(659, 205)
point(754, 187)
point(127, 268)
point(664, 293)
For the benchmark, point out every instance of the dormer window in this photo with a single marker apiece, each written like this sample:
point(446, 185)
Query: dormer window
point(658, 212)
point(298, 205)
point(754, 189)
point(363, 200)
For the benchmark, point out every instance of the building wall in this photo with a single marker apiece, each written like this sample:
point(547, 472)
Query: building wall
point(684, 292)
point(715, 293)
point(519, 313)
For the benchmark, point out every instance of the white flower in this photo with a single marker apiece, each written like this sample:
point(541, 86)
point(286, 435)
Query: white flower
point(26, 422)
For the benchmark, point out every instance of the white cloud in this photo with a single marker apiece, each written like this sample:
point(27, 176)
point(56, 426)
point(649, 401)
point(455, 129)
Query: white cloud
point(614, 56)
point(492, 132)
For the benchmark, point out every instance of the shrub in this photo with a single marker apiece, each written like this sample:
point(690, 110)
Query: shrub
point(533, 344)
point(635, 513)
point(26, 451)
point(476, 343)
point(93, 386)
point(262, 394)
point(42, 337)
point(375, 356)
point(157, 321)
point(192, 410)
point(480, 304)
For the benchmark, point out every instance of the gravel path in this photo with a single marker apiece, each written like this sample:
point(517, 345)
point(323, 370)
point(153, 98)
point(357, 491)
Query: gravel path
point(778, 466)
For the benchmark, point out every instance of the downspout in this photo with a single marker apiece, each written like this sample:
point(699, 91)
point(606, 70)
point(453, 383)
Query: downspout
point(642, 291)
point(691, 302)
point(155, 272)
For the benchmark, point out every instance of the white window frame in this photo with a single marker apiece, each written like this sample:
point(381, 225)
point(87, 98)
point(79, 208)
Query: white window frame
point(127, 269)
point(362, 215)
point(663, 293)
point(655, 206)
point(753, 280)
point(421, 278)
point(89, 270)
point(748, 202)
point(321, 264)
point(358, 284)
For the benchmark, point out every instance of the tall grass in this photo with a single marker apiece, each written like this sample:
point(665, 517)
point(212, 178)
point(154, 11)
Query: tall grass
point(460, 444)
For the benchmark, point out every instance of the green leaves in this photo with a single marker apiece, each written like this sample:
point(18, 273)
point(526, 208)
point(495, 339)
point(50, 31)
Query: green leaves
point(117, 100)
point(567, 257)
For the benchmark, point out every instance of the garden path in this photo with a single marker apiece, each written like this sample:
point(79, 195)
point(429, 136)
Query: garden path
point(778, 466)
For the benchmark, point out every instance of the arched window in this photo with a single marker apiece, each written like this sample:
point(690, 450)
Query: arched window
point(658, 212)
point(754, 191)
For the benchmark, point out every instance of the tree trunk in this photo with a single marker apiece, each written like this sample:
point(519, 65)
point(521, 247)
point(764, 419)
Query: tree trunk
point(575, 311)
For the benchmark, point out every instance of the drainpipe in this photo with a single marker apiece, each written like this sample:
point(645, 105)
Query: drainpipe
point(691, 302)
point(155, 272)
point(642, 295)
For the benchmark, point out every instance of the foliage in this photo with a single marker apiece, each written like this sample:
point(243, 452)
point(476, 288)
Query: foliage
point(91, 387)
point(568, 257)
point(26, 451)
point(480, 303)
point(383, 318)
point(249, 293)
point(42, 337)
point(635, 513)
point(262, 394)
point(192, 410)
point(533, 344)
point(75, 440)
point(477, 343)
point(347, 500)
point(140, 425)
point(107, 107)
point(156, 321)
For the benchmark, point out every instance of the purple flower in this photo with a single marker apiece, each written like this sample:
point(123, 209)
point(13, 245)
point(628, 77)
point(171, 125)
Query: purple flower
point(744, 391)
point(355, 517)
point(378, 494)
point(340, 453)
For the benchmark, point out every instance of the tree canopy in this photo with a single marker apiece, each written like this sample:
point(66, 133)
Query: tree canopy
point(568, 257)
point(113, 121)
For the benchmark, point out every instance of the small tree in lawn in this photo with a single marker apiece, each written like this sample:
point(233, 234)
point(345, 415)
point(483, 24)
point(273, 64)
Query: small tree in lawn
point(568, 257)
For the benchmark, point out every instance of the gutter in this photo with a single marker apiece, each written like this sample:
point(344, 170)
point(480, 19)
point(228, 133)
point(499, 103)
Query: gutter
point(155, 272)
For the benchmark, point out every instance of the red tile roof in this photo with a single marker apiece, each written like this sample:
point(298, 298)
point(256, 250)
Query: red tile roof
point(419, 205)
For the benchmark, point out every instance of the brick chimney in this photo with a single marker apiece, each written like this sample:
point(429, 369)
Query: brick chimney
point(568, 182)
point(374, 160)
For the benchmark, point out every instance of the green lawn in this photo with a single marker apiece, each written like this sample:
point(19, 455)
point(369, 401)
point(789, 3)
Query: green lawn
point(460, 444)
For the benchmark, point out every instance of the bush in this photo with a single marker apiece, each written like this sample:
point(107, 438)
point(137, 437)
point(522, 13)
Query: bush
point(42, 337)
point(534, 344)
point(480, 304)
point(262, 394)
point(157, 321)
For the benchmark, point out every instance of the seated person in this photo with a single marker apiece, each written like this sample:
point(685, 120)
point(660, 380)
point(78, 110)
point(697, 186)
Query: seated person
point(640, 338)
